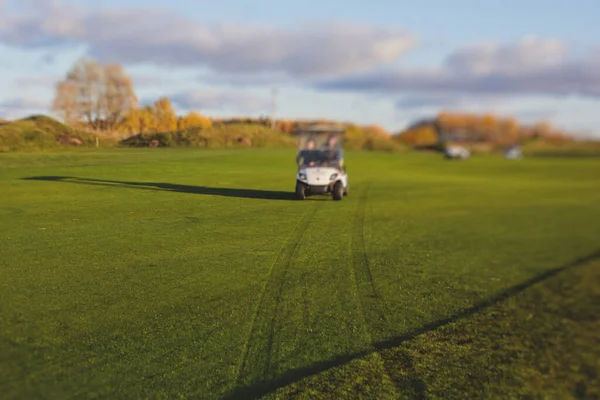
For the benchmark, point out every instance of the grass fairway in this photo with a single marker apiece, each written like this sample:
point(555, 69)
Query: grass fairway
point(180, 273)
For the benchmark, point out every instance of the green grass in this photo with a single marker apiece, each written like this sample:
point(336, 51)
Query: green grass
point(166, 273)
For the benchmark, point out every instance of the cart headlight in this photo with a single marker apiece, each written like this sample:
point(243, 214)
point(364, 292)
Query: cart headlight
point(333, 176)
point(302, 176)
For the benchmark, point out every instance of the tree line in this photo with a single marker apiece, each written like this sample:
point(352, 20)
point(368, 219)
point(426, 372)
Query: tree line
point(101, 97)
point(473, 128)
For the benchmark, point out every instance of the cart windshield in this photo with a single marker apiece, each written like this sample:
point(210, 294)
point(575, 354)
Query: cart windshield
point(320, 149)
point(320, 158)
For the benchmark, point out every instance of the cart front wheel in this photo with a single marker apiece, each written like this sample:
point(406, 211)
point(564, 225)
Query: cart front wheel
point(338, 191)
point(300, 191)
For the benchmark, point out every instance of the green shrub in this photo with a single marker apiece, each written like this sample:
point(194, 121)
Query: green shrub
point(217, 136)
point(378, 143)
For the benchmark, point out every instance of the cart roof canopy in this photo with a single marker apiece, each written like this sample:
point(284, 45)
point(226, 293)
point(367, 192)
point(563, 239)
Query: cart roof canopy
point(320, 135)
point(320, 129)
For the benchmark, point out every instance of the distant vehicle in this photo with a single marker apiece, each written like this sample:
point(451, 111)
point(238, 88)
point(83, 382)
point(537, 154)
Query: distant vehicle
point(320, 162)
point(513, 153)
point(457, 152)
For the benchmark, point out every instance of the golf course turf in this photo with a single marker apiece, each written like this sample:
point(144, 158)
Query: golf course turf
point(162, 273)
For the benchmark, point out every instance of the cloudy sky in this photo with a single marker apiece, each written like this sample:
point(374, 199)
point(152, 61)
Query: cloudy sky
point(386, 63)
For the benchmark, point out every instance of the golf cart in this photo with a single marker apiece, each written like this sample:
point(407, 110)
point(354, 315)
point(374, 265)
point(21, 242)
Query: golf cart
point(456, 152)
point(320, 162)
point(514, 152)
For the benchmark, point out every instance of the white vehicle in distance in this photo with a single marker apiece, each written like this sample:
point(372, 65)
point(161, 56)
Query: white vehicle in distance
point(457, 152)
point(320, 162)
point(514, 152)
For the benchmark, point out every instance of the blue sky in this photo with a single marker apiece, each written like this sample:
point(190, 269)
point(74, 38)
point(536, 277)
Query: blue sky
point(387, 63)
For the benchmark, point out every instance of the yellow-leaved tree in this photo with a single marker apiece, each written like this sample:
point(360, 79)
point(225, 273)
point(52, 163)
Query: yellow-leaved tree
point(164, 115)
point(192, 120)
point(139, 120)
point(422, 135)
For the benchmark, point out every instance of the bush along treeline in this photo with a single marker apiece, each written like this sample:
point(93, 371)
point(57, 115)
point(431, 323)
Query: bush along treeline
point(215, 136)
point(248, 134)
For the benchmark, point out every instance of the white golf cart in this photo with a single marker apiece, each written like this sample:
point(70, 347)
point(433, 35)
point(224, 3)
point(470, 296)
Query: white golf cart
point(320, 162)
point(456, 152)
point(514, 152)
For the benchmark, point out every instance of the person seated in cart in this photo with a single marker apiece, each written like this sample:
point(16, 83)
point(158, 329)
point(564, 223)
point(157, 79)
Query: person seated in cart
point(308, 155)
point(333, 152)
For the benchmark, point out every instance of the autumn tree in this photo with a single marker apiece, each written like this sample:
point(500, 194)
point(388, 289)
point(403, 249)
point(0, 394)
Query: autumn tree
point(286, 126)
point(422, 135)
point(138, 120)
point(375, 130)
point(193, 119)
point(354, 137)
point(164, 115)
point(488, 128)
point(510, 132)
point(96, 94)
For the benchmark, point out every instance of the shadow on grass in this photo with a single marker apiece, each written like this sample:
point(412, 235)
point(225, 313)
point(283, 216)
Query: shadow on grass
point(263, 388)
point(171, 187)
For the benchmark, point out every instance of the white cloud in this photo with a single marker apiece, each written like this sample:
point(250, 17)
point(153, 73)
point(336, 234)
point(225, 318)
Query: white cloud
point(167, 39)
point(529, 67)
point(529, 54)
point(142, 80)
point(221, 100)
point(245, 79)
point(536, 115)
point(22, 106)
point(24, 103)
point(448, 101)
point(47, 81)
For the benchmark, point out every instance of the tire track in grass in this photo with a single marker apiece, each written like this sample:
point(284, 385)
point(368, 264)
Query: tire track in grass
point(369, 299)
point(263, 389)
point(371, 309)
point(255, 361)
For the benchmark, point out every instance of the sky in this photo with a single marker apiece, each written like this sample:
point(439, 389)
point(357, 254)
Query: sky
point(384, 62)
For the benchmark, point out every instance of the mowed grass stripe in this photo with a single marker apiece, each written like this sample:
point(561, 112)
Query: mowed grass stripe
point(371, 308)
point(258, 347)
point(320, 312)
